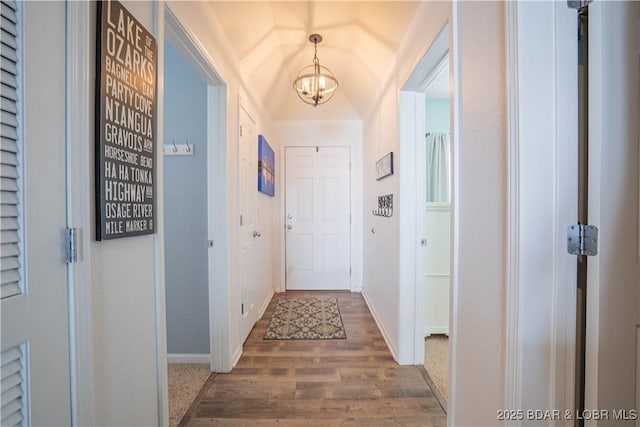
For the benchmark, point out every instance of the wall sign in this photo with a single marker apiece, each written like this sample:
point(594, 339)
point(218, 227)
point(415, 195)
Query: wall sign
point(126, 64)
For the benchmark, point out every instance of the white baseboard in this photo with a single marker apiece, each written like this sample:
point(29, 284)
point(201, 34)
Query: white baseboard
point(189, 358)
point(372, 309)
point(265, 304)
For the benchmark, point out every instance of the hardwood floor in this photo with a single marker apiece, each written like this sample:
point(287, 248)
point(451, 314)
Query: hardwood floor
point(346, 382)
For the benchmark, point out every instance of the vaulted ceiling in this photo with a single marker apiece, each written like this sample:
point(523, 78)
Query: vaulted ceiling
point(360, 42)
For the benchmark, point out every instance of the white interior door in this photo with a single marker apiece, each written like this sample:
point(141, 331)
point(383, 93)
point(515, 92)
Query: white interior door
point(317, 218)
point(35, 341)
point(613, 276)
point(248, 179)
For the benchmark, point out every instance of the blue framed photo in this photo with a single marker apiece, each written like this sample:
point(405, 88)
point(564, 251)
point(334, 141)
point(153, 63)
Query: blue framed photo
point(266, 167)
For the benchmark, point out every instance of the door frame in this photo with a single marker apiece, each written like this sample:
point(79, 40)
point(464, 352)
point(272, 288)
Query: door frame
point(411, 224)
point(542, 152)
point(196, 56)
point(79, 94)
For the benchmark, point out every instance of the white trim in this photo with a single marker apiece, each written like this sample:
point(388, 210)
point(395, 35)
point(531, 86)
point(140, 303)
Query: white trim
point(456, 112)
point(544, 99)
point(219, 292)
point(236, 356)
point(438, 207)
point(158, 237)
point(563, 333)
point(383, 331)
point(265, 304)
point(439, 275)
point(79, 116)
point(513, 359)
point(203, 358)
point(441, 330)
point(410, 305)
point(435, 73)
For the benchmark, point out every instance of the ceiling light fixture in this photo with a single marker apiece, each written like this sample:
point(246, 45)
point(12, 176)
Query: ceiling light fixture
point(315, 84)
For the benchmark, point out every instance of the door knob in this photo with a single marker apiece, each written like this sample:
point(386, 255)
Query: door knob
point(256, 234)
point(423, 242)
point(289, 226)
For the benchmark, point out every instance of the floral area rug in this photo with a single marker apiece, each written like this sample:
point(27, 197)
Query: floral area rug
point(306, 319)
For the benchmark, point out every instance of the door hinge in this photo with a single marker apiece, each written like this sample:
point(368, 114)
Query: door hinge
point(71, 244)
point(241, 223)
point(349, 271)
point(578, 4)
point(582, 239)
point(240, 130)
point(241, 308)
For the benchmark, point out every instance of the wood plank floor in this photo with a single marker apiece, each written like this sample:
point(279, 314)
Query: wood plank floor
point(347, 382)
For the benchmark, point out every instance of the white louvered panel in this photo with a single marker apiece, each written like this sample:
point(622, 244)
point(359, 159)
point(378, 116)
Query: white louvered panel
point(14, 387)
point(10, 268)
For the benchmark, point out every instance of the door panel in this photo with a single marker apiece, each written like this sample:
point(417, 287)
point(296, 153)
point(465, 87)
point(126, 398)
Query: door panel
point(318, 214)
point(248, 168)
point(35, 322)
point(613, 276)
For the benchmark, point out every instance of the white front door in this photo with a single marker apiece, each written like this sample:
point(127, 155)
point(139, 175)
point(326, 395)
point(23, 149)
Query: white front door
point(35, 333)
point(317, 218)
point(248, 179)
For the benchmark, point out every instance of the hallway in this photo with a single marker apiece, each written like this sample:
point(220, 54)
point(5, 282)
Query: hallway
point(324, 382)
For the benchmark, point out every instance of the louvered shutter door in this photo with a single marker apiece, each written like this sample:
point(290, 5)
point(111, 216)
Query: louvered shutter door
point(13, 387)
point(10, 276)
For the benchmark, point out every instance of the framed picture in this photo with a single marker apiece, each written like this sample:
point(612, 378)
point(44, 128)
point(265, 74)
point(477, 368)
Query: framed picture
point(125, 149)
point(384, 166)
point(266, 167)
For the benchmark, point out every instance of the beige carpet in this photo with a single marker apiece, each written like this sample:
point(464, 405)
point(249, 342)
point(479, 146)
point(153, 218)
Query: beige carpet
point(185, 381)
point(436, 359)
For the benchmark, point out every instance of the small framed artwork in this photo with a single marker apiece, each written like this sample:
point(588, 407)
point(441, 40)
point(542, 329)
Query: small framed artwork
point(384, 166)
point(266, 167)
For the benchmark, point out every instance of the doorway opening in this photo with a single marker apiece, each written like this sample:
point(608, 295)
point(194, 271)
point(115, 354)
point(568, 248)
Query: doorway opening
point(193, 168)
point(433, 263)
point(426, 238)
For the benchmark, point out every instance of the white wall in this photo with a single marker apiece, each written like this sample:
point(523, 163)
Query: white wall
point(331, 133)
point(438, 112)
point(480, 198)
point(127, 385)
point(480, 187)
point(185, 208)
point(124, 310)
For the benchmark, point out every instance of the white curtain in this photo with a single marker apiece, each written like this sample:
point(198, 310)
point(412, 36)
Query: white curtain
point(438, 167)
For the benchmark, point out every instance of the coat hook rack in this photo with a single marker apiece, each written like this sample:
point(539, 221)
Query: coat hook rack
point(385, 206)
point(174, 149)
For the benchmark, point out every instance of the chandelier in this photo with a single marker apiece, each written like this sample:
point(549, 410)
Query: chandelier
point(315, 84)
